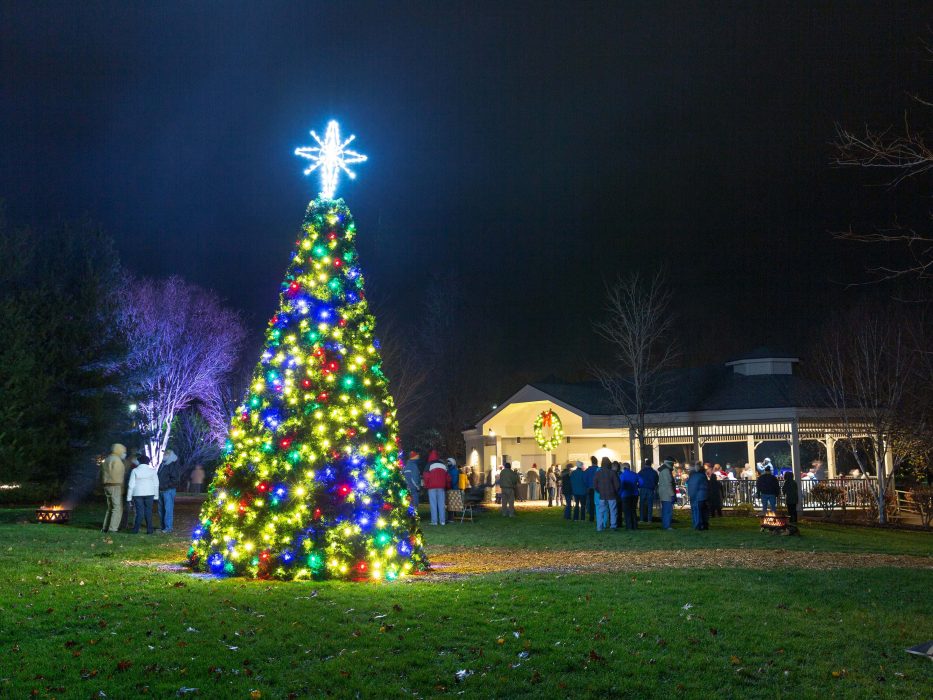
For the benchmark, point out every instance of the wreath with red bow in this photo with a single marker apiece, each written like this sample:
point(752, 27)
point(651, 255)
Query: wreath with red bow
point(548, 430)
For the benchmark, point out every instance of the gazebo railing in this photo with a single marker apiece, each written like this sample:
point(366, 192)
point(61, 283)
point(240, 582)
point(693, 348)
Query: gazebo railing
point(856, 492)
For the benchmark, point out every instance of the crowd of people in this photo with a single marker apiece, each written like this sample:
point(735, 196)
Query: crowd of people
point(131, 479)
point(608, 493)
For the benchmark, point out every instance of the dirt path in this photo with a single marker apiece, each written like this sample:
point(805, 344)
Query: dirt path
point(480, 560)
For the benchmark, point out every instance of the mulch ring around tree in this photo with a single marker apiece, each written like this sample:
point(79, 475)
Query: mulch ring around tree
point(483, 560)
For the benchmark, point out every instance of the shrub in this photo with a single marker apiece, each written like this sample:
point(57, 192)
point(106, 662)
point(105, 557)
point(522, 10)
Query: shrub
point(828, 496)
point(922, 498)
point(744, 509)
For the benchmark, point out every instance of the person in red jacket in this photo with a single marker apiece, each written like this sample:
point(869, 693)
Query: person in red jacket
point(437, 481)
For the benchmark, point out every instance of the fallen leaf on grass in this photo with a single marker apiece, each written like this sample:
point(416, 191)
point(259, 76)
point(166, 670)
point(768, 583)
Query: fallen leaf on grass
point(735, 660)
point(841, 673)
point(463, 674)
point(124, 665)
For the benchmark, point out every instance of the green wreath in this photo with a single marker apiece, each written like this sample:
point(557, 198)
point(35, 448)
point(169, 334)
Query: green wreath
point(548, 419)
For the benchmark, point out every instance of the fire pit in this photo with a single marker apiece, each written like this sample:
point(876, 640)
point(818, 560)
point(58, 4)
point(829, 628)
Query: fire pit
point(53, 514)
point(777, 524)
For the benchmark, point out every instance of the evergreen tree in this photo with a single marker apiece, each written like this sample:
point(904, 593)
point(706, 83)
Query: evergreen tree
point(310, 485)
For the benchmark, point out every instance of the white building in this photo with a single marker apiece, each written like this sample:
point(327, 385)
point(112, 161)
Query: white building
point(752, 399)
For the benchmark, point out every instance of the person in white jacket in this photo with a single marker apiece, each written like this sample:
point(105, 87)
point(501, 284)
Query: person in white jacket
point(142, 490)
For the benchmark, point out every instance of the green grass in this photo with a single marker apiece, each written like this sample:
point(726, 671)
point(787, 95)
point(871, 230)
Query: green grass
point(545, 529)
point(76, 618)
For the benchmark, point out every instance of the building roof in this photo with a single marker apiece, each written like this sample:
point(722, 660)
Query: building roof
point(711, 388)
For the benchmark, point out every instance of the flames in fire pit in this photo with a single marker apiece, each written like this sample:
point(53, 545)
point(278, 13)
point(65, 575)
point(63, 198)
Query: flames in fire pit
point(772, 519)
point(777, 524)
point(53, 514)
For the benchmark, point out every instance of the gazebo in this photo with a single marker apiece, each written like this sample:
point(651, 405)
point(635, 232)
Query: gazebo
point(751, 399)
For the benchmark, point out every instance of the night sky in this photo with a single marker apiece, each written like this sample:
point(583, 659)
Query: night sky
point(529, 151)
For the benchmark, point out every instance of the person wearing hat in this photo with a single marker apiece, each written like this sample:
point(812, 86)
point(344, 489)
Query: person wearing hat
point(412, 473)
point(768, 490)
point(437, 481)
point(112, 471)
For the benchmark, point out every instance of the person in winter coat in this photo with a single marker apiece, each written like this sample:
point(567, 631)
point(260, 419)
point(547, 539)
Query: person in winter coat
point(508, 482)
point(768, 490)
point(590, 474)
point(606, 485)
point(531, 478)
point(550, 478)
point(714, 496)
point(697, 492)
point(112, 471)
point(647, 486)
point(789, 487)
point(168, 483)
point(437, 481)
point(666, 492)
point(454, 472)
point(579, 490)
point(412, 473)
point(143, 488)
point(629, 489)
point(566, 490)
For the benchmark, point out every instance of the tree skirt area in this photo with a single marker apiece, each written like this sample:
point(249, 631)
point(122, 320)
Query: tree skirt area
point(482, 560)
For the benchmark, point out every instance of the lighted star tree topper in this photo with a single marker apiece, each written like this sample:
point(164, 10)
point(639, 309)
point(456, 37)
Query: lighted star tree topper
point(330, 155)
point(310, 484)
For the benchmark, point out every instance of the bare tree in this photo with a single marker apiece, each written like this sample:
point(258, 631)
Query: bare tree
point(865, 363)
point(193, 438)
point(183, 344)
point(406, 371)
point(900, 154)
point(638, 325)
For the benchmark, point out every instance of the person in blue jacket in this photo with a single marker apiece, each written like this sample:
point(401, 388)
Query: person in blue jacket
point(578, 487)
point(629, 490)
point(647, 487)
point(697, 491)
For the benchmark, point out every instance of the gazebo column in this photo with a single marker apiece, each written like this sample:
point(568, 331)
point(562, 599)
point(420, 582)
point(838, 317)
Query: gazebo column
point(831, 456)
point(697, 450)
point(750, 447)
point(795, 460)
point(656, 448)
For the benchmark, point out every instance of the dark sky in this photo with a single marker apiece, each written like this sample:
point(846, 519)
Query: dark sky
point(529, 150)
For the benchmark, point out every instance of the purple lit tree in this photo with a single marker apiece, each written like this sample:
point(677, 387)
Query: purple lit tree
point(183, 344)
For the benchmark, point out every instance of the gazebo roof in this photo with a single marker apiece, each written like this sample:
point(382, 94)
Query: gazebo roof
point(711, 388)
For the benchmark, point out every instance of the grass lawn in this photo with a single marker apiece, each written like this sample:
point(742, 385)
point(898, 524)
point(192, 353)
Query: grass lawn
point(82, 613)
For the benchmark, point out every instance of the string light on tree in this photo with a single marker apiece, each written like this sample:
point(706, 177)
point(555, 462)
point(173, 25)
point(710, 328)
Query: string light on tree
point(310, 485)
point(330, 155)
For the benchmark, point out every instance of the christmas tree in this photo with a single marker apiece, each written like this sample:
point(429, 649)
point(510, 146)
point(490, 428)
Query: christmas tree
point(310, 484)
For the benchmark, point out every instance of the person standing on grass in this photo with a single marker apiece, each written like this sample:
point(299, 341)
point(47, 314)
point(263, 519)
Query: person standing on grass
point(168, 484)
point(508, 482)
point(789, 487)
point(606, 485)
point(566, 490)
point(666, 493)
point(578, 489)
point(112, 471)
point(590, 475)
point(143, 488)
point(768, 489)
point(647, 486)
point(551, 478)
point(697, 492)
point(628, 487)
point(412, 474)
point(714, 497)
point(531, 478)
point(437, 481)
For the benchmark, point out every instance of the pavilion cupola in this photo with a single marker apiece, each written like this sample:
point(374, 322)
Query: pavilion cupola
point(763, 361)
